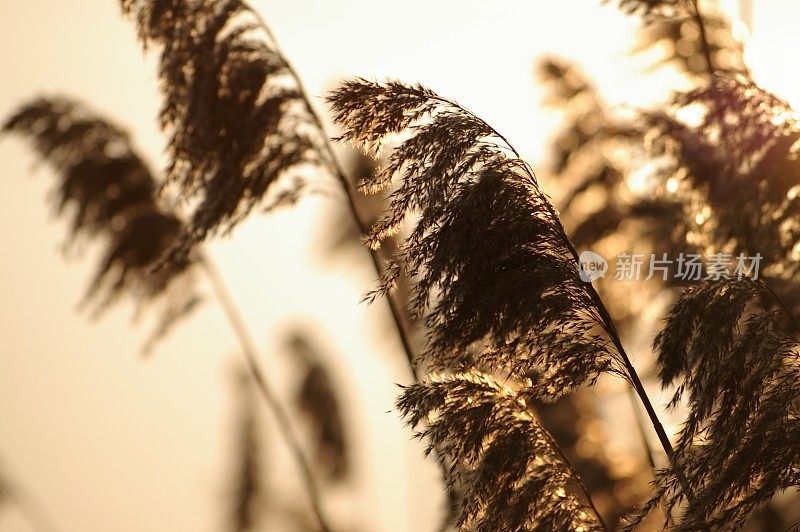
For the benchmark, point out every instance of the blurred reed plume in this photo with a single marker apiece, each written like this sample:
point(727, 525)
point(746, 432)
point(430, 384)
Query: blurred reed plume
point(254, 501)
point(112, 196)
point(680, 36)
point(316, 398)
point(108, 193)
point(745, 141)
point(249, 496)
point(653, 8)
point(734, 172)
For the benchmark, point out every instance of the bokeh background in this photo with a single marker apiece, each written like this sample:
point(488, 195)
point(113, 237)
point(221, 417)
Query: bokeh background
point(106, 439)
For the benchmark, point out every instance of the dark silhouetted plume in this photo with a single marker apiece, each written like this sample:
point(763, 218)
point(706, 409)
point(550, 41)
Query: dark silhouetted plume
point(494, 273)
point(236, 118)
point(653, 8)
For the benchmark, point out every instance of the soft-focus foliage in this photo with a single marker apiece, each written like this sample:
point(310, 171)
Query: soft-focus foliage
point(721, 161)
point(737, 171)
point(592, 151)
point(236, 117)
point(107, 192)
point(600, 148)
point(510, 471)
point(679, 38)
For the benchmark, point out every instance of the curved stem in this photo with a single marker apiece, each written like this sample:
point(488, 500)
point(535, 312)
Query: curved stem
point(651, 460)
point(270, 398)
point(611, 330)
point(394, 308)
point(632, 374)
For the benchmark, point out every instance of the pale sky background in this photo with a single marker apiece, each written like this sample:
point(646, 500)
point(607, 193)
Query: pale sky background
point(107, 440)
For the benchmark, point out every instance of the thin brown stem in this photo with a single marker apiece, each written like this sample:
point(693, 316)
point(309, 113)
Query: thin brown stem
point(632, 374)
point(337, 169)
point(630, 371)
point(651, 460)
point(636, 382)
point(611, 329)
point(704, 42)
point(270, 398)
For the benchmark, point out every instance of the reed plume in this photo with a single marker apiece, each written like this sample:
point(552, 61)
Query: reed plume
point(739, 444)
point(485, 230)
point(249, 497)
point(240, 131)
point(729, 346)
point(600, 149)
point(681, 37)
point(592, 154)
point(738, 164)
point(723, 345)
point(653, 8)
point(107, 192)
point(318, 401)
point(238, 118)
point(509, 469)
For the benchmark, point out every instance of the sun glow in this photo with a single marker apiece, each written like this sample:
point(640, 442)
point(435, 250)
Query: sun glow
point(772, 41)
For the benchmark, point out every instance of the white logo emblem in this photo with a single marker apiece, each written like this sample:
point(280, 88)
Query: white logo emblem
point(591, 266)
